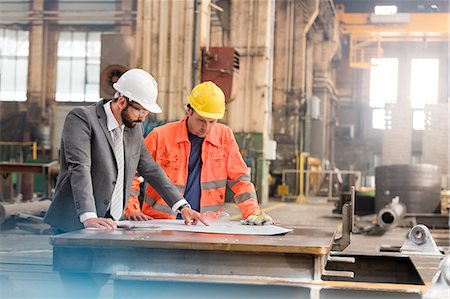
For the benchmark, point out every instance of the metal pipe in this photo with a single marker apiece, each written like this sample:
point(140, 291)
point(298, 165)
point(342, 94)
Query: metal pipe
point(194, 46)
point(18, 16)
point(301, 194)
point(217, 7)
point(249, 61)
point(326, 82)
point(312, 17)
point(391, 214)
point(29, 208)
point(310, 21)
point(270, 78)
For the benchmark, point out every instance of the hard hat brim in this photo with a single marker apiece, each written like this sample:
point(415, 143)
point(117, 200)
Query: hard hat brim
point(154, 108)
point(210, 115)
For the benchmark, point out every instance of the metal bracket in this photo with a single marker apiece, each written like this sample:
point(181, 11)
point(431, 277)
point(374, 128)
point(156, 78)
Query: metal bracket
point(419, 240)
point(348, 212)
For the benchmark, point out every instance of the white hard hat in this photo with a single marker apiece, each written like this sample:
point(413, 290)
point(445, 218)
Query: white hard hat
point(140, 87)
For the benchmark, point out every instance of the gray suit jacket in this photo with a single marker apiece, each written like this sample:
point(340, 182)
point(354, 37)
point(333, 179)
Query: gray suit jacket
point(88, 168)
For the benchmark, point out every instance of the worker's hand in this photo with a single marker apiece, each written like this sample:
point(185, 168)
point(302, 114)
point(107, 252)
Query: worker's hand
point(138, 216)
point(106, 223)
point(259, 218)
point(192, 217)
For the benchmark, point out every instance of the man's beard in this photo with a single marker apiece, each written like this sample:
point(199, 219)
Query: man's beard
point(127, 121)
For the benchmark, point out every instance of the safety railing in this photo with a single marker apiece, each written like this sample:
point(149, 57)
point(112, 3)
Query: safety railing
point(318, 183)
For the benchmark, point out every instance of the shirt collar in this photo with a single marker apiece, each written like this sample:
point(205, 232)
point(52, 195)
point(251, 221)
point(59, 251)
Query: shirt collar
point(182, 135)
point(111, 120)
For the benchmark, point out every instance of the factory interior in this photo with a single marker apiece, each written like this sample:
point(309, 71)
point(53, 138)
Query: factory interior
point(340, 110)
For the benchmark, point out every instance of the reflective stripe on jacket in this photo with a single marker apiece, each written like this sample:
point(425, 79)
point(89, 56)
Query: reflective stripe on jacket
point(222, 164)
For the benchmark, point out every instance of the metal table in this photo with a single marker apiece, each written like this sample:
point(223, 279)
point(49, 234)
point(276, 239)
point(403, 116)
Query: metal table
point(143, 261)
point(50, 170)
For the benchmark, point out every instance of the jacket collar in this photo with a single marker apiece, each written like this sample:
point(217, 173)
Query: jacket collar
point(101, 114)
point(182, 135)
point(103, 118)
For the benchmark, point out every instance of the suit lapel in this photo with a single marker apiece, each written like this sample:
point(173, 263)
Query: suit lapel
point(103, 123)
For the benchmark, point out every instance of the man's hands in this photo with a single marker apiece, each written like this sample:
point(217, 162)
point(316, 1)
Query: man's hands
point(105, 223)
point(192, 217)
point(259, 218)
point(138, 216)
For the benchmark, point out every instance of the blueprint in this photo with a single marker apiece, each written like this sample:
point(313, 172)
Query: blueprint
point(219, 227)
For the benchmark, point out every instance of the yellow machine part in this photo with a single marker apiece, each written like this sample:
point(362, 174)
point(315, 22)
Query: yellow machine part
point(282, 190)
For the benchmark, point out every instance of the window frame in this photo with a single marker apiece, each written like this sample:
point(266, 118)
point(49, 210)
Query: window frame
point(14, 50)
point(81, 54)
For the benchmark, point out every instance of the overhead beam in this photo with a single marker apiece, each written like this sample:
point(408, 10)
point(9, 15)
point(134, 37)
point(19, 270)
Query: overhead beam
point(433, 27)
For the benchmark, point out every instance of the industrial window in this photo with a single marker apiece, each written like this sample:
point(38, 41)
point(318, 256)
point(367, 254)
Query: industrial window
point(383, 89)
point(14, 49)
point(78, 68)
point(424, 88)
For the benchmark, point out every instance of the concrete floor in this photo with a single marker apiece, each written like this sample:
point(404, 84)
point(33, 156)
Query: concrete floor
point(26, 257)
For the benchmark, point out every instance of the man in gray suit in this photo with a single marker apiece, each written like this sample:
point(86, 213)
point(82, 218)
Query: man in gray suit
point(97, 167)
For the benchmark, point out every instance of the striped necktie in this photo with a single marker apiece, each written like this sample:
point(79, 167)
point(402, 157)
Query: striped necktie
point(116, 209)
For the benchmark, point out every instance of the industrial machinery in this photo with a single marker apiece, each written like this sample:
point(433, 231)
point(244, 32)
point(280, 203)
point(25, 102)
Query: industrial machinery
point(405, 195)
point(116, 52)
point(29, 208)
point(221, 65)
point(418, 186)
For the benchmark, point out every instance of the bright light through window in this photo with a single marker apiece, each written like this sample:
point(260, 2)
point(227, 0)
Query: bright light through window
point(424, 82)
point(383, 88)
point(424, 88)
point(383, 82)
point(385, 9)
point(418, 120)
point(14, 48)
point(378, 119)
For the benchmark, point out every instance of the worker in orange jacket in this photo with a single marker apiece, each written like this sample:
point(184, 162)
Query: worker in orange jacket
point(200, 156)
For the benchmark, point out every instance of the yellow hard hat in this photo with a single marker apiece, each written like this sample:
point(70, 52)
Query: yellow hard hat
point(208, 100)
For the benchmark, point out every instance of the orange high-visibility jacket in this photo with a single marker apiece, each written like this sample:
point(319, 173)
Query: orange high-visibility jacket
point(222, 163)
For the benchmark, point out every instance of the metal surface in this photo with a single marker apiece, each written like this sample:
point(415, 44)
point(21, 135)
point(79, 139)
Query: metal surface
point(417, 186)
point(351, 293)
point(376, 268)
point(302, 240)
point(440, 286)
point(170, 289)
point(295, 257)
point(432, 221)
